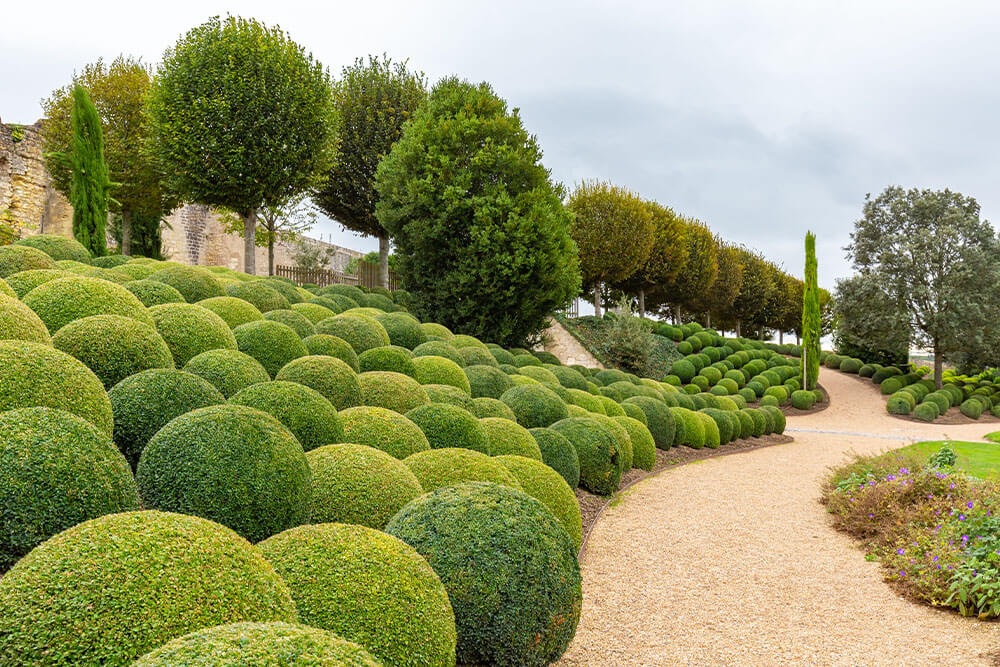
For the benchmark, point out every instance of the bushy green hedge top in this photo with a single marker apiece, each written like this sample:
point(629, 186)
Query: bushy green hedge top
point(508, 437)
point(18, 322)
point(438, 370)
point(448, 466)
point(190, 330)
point(284, 287)
point(403, 329)
point(263, 297)
point(332, 346)
point(76, 598)
point(394, 391)
point(299, 323)
point(350, 291)
point(57, 247)
point(314, 312)
point(152, 293)
point(17, 258)
point(363, 333)
point(534, 405)
point(383, 429)
point(439, 348)
point(389, 358)
point(23, 282)
point(58, 302)
point(232, 310)
point(305, 412)
point(487, 381)
point(601, 462)
point(228, 370)
point(447, 425)
point(439, 330)
point(330, 376)
point(273, 344)
point(193, 282)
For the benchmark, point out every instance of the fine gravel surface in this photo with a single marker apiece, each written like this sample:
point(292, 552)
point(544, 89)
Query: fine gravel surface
point(732, 560)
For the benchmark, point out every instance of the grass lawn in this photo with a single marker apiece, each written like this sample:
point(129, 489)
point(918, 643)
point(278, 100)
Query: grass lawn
point(981, 459)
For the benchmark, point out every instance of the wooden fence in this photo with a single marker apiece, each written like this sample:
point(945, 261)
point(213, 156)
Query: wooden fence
point(367, 276)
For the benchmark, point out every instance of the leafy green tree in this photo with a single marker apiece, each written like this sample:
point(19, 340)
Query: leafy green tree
point(283, 222)
point(614, 231)
point(770, 315)
point(90, 183)
point(479, 227)
point(374, 99)
point(311, 256)
point(689, 287)
point(666, 257)
point(242, 118)
point(718, 301)
point(870, 324)
point(119, 92)
point(755, 290)
point(790, 319)
point(935, 257)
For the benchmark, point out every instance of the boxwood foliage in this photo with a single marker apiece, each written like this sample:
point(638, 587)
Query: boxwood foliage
point(803, 399)
point(362, 333)
point(231, 464)
point(447, 425)
point(437, 468)
point(24, 281)
point(36, 375)
point(330, 376)
point(114, 347)
point(601, 462)
point(383, 429)
point(439, 348)
point(233, 311)
point(357, 484)
point(314, 312)
point(17, 258)
point(393, 391)
point(189, 330)
point(58, 302)
point(534, 405)
point(271, 343)
point(193, 282)
point(487, 381)
point(258, 644)
point(350, 291)
point(228, 370)
point(546, 485)
point(298, 322)
point(521, 552)
point(57, 247)
point(283, 286)
point(445, 393)
point(305, 412)
point(491, 407)
point(438, 370)
point(56, 470)
point(75, 599)
point(643, 446)
point(367, 587)
point(331, 346)
point(390, 358)
point(403, 329)
point(504, 436)
point(659, 419)
point(263, 297)
point(559, 454)
point(18, 322)
point(152, 293)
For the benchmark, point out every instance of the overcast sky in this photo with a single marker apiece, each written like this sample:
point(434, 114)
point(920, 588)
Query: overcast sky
point(763, 119)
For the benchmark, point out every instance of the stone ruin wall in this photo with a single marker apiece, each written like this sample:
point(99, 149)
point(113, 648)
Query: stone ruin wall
point(194, 234)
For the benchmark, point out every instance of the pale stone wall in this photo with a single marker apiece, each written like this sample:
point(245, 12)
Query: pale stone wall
point(566, 347)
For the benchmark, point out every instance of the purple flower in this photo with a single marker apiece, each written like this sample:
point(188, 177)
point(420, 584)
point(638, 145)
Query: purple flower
point(900, 551)
point(961, 517)
point(904, 471)
point(969, 504)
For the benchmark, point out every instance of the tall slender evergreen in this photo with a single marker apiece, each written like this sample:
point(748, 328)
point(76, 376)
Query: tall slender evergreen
point(810, 317)
point(90, 184)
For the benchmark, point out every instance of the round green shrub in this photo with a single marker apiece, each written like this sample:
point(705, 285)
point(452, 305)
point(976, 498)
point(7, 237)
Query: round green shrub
point(559, 454)
point(78, 597)
point(350, 291)
point(883, 373)
point(56, 470)
point(569, 377)
point(233, 311)
point(759, 422)
point(380, 301)
point(971, 408)
point(449, 426)
point(891, 385)
point(722, 425)
point(487, 381)
point(403, 329)
point(478, 356)
point(684, 370)
point(611, 407)
point(525, 360)
point(271, 343)
point(368, 587)
point(779, 393)
point(542, 375)
point(851, 365)
point(137, 271)
point(189, 330)
point(298, 322)
point(193, 282)
point(17, 258)
point(769, 400)
point(601, 461)
point(330, 376)
point(445, 393)
point(635, 412)
point(926, 412)
point(152, 293)
point(393, 391)
point(449, 466)
point(659, 419)
point(58, 302)
point(940, 398)
point(362, 333)
point(57, 247)
point(504, 436)
point(439, 348)
point(360, 485)
point(383, 429)
point(802, 399)
point(113, 347)
point(229, 371)
point(262, 297)
point(23, 282)
point(622, 442)
point(305, 412)
point(492, 407)
point(36, 375)
point(899, 404)
point(689, 429)
point(331, 346)
point(18, 322)
point(283, 286)
point(643, 446)
point(259, 644)
point(546, 485)
point(314, 312)
point(521, 552)
point(585, 400)
point(229, 463)
point(777, 419)
point(390, 358)
point(501, 355)
point(6, 290)
point(439, 370)
point(534, 405)
point(439, 330)
point(711, 430)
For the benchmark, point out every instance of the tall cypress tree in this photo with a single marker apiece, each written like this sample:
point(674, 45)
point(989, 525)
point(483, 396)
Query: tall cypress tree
point(810, 317)
point(90, 185)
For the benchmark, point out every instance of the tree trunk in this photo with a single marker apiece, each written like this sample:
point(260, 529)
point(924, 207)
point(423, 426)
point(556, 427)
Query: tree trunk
point(383, 261)
point(680, 315)
point(597, 299)
point(708, 320)
point(270, 255)
point(781, 338)
point(938, 366)
point(642, 302)
point(126, 245)
point(250, 242)
point(737, 328)
point(798, 341)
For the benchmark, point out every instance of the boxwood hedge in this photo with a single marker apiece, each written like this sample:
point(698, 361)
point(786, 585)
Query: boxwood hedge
point(264, 298)
point(659, 419)
point(389, 358)
point(492, 407)
point(445, 393)
point(58, 302)
point(113, 347)
point(559, 454)
point(189, 330)
point(331, 346)
point(152, 293)
point(330, 376)
point(18, 322)
point(504, 436)
point(57, 247)
point(24, 281)
point(305, 412)
point(601, 462)
point(271, 343)
point(487, 381)
point(439, 370)
point(17, 258)
point(233, 311)
point(439, 348)
point(447, 425)
point(298, 322)
point(403, 329)
point(437, 468)
point(383, 429)
point(546, 485)
point(314, 312)
point(193, 282)
point(393, 391)
point(229, 371)
point(362, 333)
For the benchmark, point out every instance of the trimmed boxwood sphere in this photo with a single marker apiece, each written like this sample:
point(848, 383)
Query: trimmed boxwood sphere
point(108, 590)
point(109, 261)
point(314, 312)
point(305, 412)
point(283, 286)
point(390, 358)
point(152, 293)
point(367, 587)
point(802, 399)
point(362, 333)
point(559, 454)
point(926, 412)
point(299, 323)
point(360, 485)
point(330, 376)
point(439, 348)
point(18, 322)
point(535, 405)
point(63, 300)
point(6, 290)
point(35, 375)
point(474, 356)
point(438, 370)
point(438, 468)
point(264, 298)
point(231, 464)
point(193, 282)
point(970, 408)
point(273, 344)
point(521, 552)
point(601, 464)
point(768, 399)
point(232, 310)
point(635, 412)
point(331, 346)
point(643, 446)
point(508, 437)
point(659, 419)
point(259, 644)
point(350, 291)
point(114, 347)
point(56, 470)
point(17, 258)
point(228, 370)
point(447, 425)
point(383, 429)
point(57, 247)
point(403, 329)
point(501, 355)
point(189, 330)
point(546, 485)
point(487, 381)
point(492, 407)
point(759, 421)
point(776, 417)
point(25, 281)
point(393, 391)
point(439, 330)
point(445, 393)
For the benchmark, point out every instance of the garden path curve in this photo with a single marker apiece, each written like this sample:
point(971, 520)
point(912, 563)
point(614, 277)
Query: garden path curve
point(732, 560)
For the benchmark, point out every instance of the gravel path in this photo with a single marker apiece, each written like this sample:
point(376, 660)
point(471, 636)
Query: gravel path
point(732, 561)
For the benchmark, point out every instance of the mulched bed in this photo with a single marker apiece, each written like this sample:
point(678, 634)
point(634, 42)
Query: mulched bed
point(953, 417)
point(591, 506)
